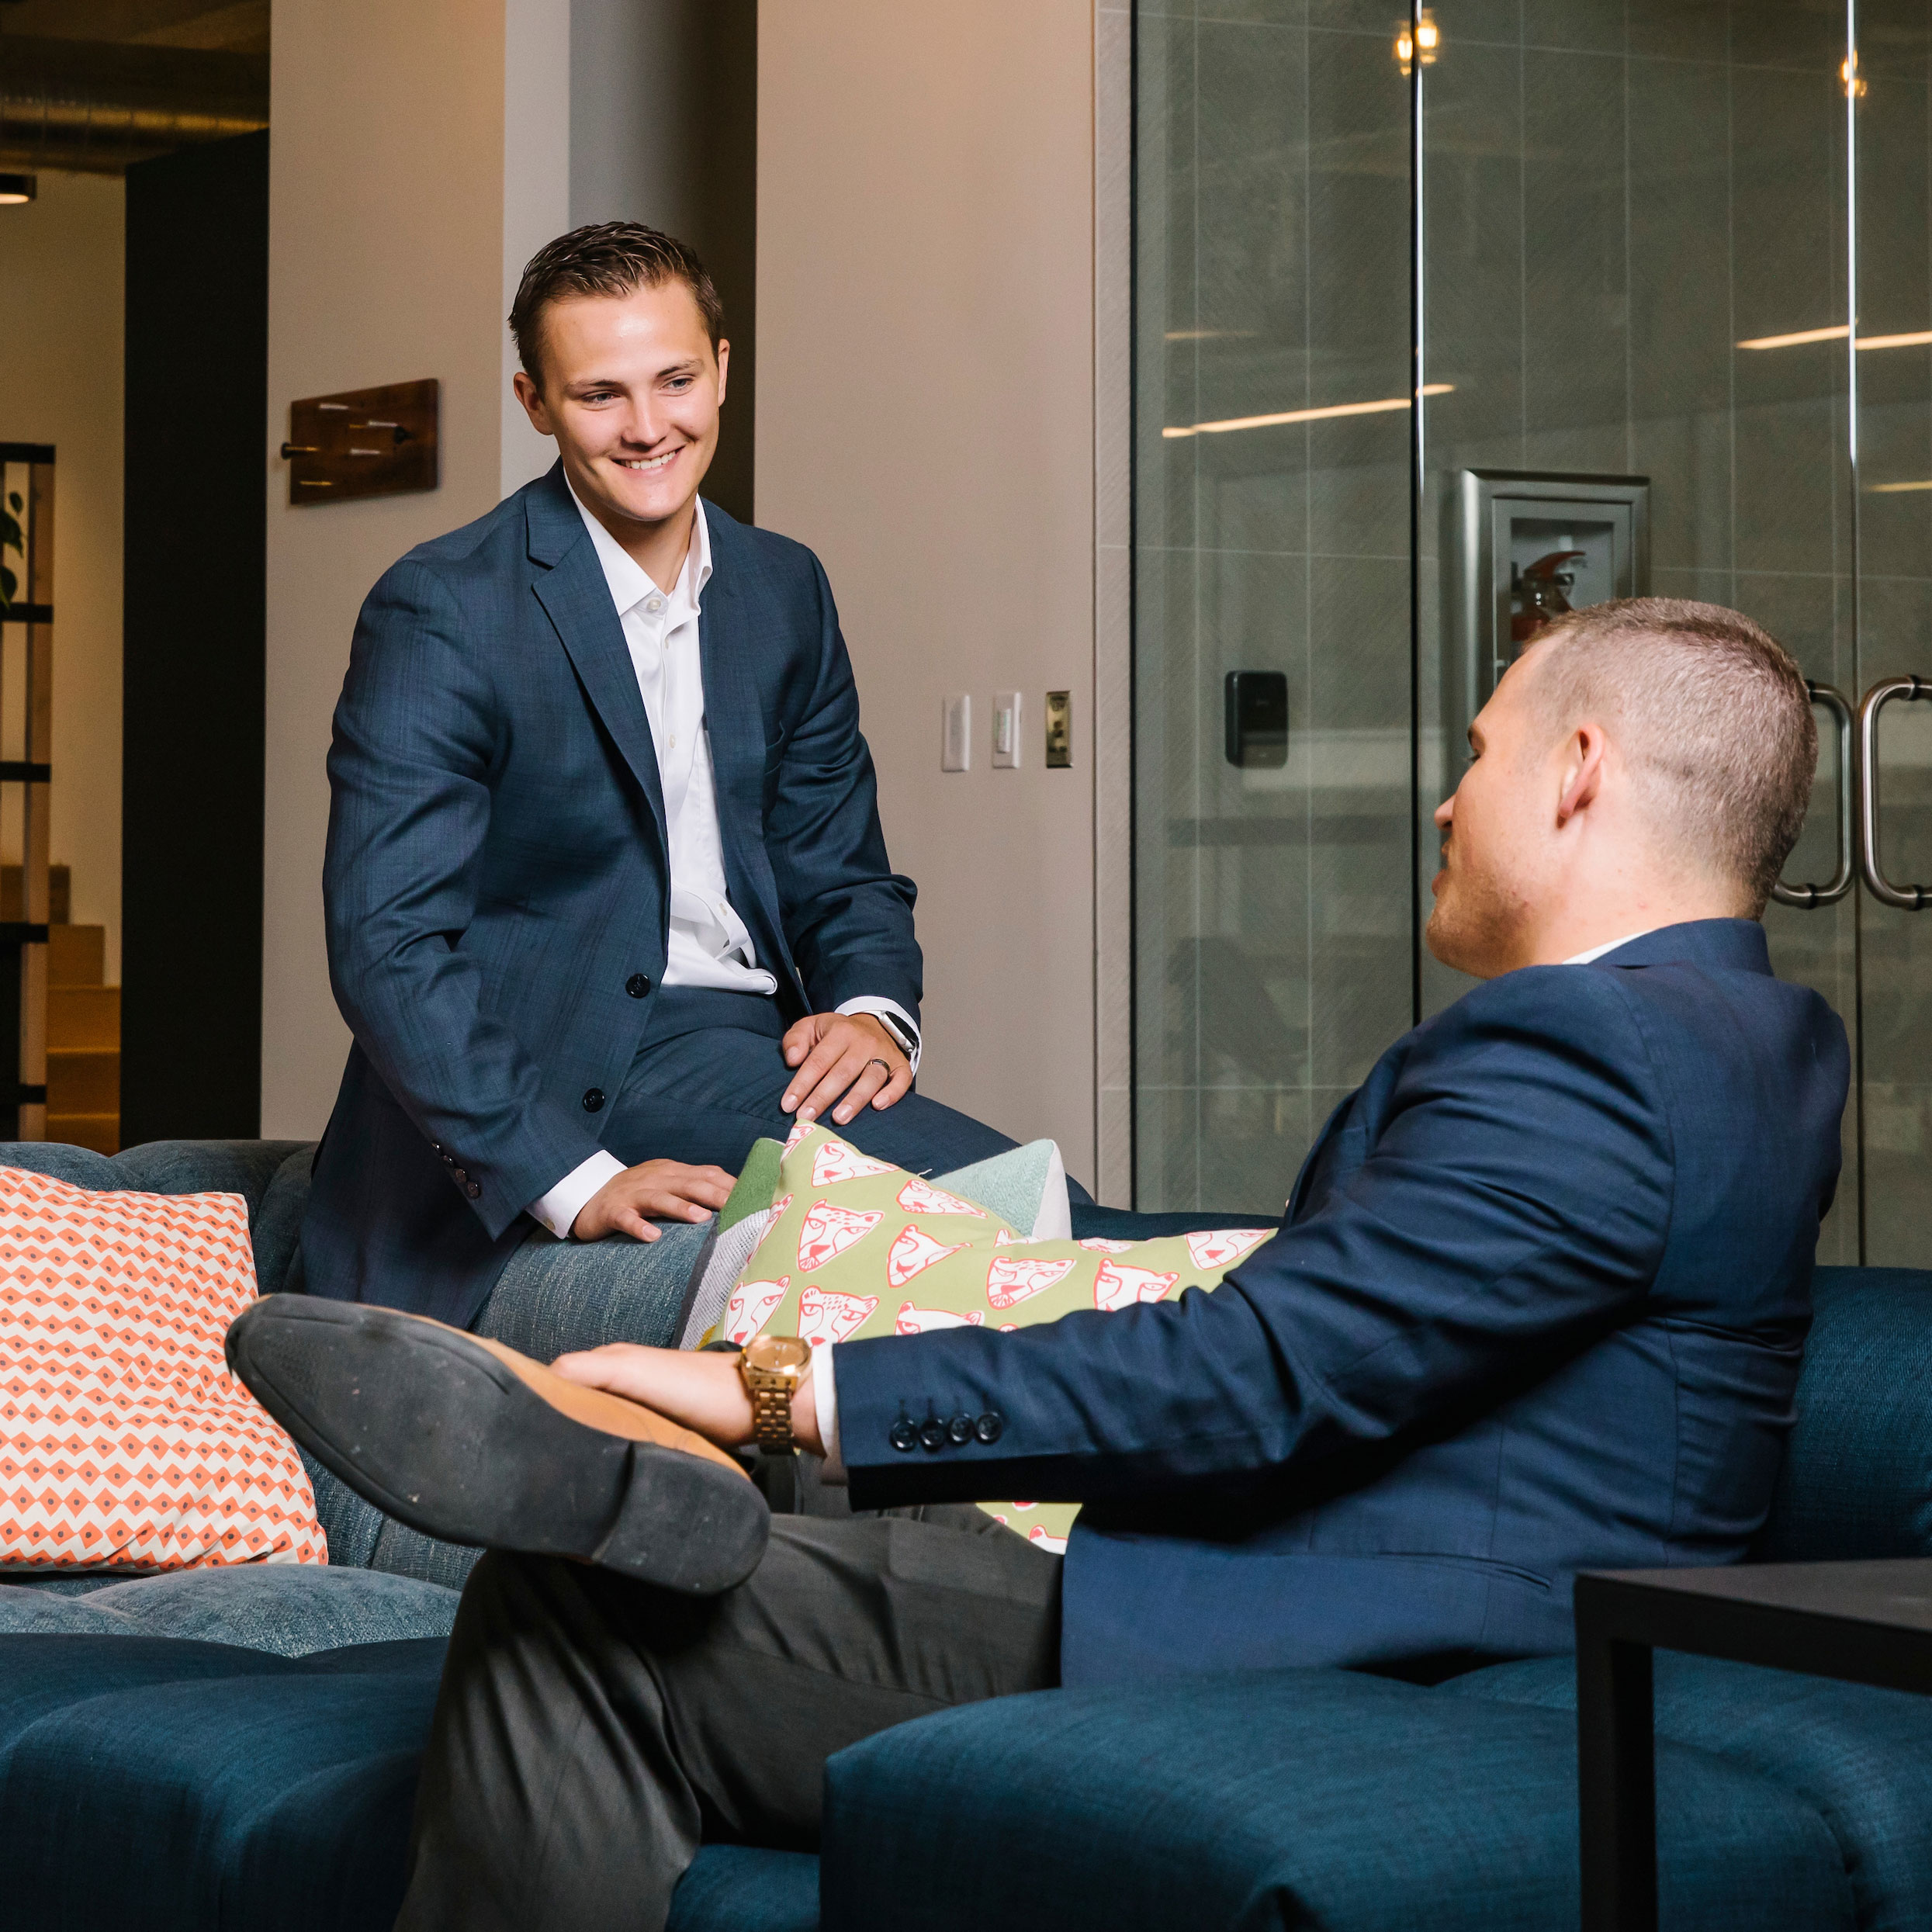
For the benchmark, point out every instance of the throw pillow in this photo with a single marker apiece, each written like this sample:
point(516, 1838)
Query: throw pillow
point(124, 1443)
point(1026, 1186)
point(857, 1247)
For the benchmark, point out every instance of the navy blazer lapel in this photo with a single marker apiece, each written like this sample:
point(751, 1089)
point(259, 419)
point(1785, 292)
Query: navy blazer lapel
point(734, 719)
point(571, 585)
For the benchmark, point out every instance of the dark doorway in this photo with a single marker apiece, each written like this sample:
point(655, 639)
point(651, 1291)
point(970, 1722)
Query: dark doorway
point(192, 769)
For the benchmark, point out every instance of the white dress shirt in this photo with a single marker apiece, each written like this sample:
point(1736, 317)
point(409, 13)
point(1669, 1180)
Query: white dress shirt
point(1597, 952)
point(707, 944)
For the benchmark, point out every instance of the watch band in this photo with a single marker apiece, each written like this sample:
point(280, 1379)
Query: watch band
point(907, 1040)
point(771, 1411)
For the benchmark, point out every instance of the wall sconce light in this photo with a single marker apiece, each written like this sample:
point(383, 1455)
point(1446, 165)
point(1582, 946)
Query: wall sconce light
point(15, 188)
point(1427, 35)
point(1848, 73)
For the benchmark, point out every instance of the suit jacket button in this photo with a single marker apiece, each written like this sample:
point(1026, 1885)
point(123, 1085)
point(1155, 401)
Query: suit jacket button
point(989, 1426)
point(593, 1099)
point(449, 1160)
point(459, 1174)
point(638, 984)
point(961, 1429)
point(934, 1434)
point(435, 1147)
point(904, 1435)
point(473, 1188)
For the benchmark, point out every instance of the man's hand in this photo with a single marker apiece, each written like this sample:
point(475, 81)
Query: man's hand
point(849, 1054)
point(662, 1190)
point(700, 1388)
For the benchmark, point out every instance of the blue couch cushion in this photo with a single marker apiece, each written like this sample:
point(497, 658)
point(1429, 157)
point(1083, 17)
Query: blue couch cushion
point(1862, 1758)
point(287, 1609)
point(738, 1888)
point(247, 1168)
point(179, 1786)
point(1288, 1798)
point(276, 1225)
point(1856, 1478)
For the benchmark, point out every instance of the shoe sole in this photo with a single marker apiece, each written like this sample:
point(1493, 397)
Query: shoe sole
point(467, 1442)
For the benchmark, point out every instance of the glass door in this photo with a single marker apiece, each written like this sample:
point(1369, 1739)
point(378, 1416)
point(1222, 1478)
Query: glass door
point(1591, 259)
point(1891, 130)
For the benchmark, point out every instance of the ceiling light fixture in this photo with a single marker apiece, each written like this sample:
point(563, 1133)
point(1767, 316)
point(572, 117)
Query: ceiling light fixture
point(1426, 35)
point(1303, 415)
point(16, 189)
point(1914, 339)
point(1893, 489)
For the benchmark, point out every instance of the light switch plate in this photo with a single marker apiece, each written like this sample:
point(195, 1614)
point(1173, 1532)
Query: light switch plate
point(1005, 731)
point(956, 734)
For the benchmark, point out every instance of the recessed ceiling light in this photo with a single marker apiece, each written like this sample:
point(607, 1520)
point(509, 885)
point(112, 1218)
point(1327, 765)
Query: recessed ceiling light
point(15, 188)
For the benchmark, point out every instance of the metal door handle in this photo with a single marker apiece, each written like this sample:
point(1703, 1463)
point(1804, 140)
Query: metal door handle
point(1908, 898)
point(1811, 897)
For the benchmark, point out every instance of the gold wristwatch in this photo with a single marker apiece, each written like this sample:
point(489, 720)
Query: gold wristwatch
point(772, 1367)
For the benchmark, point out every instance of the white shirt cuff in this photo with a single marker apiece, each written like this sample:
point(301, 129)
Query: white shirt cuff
point(824, 1394)
point(557, 1209)
point(869, 1004)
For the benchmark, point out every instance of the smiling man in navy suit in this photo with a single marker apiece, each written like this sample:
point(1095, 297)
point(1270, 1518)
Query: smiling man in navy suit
point(1538, 1305)
point(606, 890)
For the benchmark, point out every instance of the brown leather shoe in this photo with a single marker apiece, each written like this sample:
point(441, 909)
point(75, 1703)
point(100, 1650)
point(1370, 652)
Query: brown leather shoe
point(468, 1441)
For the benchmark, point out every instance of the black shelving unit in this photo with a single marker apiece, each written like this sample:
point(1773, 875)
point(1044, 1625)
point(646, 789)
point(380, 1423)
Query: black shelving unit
point(27, 689)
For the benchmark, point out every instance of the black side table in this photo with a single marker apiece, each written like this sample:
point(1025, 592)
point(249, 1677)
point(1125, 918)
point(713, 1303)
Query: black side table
point(1864, 1622)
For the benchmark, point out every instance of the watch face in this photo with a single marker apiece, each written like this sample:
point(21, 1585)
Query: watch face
point(777, 1354)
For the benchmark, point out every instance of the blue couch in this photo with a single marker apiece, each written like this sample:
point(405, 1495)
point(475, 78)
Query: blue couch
point(198, 1756)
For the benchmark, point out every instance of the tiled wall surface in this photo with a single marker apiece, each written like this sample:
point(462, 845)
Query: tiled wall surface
point(1616, 195)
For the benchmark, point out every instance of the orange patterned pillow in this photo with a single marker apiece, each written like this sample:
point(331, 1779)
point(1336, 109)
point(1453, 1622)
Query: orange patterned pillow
point(125, 1444)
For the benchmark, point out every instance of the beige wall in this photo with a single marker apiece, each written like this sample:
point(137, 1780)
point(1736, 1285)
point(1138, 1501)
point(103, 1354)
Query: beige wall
point(925, 423)
point(386, 240)
point(61, 259)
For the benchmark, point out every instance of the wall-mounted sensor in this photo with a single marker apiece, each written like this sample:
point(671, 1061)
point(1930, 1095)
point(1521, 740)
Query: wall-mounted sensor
point(1256, 704)
point(956, 734)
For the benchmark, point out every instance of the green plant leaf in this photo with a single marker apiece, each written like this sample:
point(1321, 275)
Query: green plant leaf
point(8, 584)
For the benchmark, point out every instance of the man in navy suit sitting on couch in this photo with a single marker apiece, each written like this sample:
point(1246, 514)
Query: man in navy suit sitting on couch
point(1537, 1306)
point(606, 892)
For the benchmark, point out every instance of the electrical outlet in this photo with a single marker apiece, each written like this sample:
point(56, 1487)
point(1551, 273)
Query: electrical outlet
point(1059, 730)
point(956, 734)
point(1005, 731)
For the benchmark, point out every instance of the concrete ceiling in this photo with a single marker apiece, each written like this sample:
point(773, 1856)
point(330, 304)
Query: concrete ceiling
point(96, 85)
point(239, 27)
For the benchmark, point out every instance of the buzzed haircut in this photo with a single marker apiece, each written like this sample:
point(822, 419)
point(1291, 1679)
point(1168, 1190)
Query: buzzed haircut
point(1710, 712)
point(606, 258)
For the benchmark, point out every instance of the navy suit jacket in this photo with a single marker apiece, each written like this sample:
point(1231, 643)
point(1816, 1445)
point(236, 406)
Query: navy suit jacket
point(1537, 1306)
point(497, 876)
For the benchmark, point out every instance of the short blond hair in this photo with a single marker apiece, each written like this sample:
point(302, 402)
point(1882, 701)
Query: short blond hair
point(1711, 714)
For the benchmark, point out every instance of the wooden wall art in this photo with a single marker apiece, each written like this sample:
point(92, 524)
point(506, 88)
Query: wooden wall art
point(364, 442)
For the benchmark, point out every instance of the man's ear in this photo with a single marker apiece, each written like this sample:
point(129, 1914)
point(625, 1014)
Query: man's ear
point(532, 398)
point(1582, 768)
point(724, 363)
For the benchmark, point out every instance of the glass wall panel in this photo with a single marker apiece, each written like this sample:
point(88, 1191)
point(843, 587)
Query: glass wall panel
point(1627, 268)
point(1272, 927)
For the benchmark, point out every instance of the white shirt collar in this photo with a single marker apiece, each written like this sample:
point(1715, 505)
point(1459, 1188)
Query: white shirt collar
point(1597, 952)
point(631, 584)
